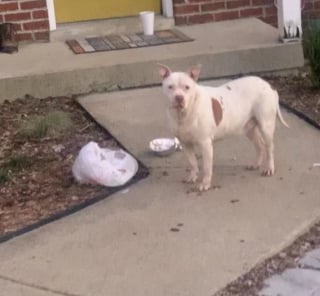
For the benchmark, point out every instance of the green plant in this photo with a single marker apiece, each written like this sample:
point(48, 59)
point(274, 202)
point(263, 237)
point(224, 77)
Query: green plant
point(49, 125)
point(14, 165)
point(3, 176)
point(311, 46)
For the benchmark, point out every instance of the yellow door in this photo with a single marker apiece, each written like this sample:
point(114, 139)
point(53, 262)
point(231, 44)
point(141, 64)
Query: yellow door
point(81, 10)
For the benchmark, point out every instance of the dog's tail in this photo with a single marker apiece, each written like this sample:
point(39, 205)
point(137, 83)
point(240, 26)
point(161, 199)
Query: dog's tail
point(281, 118)
point(279, 111)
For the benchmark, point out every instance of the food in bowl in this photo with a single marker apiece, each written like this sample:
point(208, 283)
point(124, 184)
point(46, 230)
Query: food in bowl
point(163, 146)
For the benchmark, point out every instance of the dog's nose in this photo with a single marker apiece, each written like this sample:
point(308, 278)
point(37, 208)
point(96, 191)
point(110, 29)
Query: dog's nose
point(179, 99)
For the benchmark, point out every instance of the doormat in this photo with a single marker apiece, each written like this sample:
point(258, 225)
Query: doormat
point(126, 41)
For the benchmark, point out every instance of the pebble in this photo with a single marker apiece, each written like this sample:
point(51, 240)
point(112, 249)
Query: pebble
point(282, 255)
point(58, 148)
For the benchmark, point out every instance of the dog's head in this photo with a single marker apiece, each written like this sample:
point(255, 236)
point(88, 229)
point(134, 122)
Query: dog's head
point(179, 87)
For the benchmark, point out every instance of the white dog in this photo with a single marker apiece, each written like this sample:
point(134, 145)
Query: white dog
point(201, 114)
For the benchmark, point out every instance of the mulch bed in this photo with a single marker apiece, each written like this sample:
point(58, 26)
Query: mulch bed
point(46, 186)
point(297, 93)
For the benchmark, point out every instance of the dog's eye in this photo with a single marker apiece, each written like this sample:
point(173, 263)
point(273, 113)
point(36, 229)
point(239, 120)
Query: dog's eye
point(170, 86)
point(187, 87)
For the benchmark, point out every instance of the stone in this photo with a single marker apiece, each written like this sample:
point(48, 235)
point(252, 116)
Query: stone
point(311, 259)
point(293, 282)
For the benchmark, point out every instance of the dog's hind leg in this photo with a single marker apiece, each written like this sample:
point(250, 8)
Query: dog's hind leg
point(267, 132)
point(254, 135)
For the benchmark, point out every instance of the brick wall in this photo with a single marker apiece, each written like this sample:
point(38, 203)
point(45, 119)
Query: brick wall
point(29, 16)
point(188, 12)
point(311, 9)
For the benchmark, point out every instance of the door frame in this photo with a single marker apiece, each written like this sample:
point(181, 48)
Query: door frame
point(51, 15)
point(167, 10)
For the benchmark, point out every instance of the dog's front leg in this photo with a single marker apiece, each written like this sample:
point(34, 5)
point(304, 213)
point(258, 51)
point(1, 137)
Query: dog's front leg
point(191, 155)
point(207, 159)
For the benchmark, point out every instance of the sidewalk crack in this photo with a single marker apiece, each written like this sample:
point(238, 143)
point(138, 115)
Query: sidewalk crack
point(36, 287)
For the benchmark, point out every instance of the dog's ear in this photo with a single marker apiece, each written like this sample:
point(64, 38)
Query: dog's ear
point(194, 72)
point(217, 110)
point(164, 71)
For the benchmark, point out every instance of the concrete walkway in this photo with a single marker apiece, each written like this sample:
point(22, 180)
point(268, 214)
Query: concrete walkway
point(125, 245)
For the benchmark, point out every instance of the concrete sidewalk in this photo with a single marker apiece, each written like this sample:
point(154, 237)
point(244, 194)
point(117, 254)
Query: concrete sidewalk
point(125, 245)
point(225, 48)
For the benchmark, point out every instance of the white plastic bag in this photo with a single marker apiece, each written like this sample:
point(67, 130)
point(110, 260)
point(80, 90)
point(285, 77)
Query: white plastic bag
point(103, 166)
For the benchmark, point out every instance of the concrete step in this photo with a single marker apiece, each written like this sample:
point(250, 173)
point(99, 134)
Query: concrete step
point(224, 49)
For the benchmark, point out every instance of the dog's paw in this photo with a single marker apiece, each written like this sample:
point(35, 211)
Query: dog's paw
point(267, 172)
point(203, 186)
point(191, 179)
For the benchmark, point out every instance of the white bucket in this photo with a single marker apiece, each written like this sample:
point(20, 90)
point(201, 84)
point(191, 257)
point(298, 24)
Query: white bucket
point(147, 20)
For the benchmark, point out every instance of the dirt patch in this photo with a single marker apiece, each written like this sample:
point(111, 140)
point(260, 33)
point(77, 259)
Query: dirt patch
point(35, 173)
point(297, 93)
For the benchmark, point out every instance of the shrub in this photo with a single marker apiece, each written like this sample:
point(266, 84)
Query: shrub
point(311, 45)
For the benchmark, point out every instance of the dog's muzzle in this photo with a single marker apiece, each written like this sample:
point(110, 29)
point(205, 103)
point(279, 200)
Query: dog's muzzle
point(179, 101)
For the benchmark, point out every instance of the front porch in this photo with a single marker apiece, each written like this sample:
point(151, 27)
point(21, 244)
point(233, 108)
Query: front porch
point(224, 49)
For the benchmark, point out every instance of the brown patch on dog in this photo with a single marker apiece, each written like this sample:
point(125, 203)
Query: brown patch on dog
point(217, 111)
point(228, 87)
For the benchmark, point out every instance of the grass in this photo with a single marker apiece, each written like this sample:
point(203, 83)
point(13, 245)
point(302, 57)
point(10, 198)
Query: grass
point(41, 126)
point(311, 46)
point(14, 165)
point(50, 125)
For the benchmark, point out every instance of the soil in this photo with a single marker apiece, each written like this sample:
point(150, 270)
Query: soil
point(46, 186)
point(297, 93)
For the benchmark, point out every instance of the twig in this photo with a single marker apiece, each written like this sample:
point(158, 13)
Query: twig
point(85, 127)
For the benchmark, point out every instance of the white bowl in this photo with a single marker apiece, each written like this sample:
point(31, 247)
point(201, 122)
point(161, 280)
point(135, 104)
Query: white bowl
point(163, 146)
